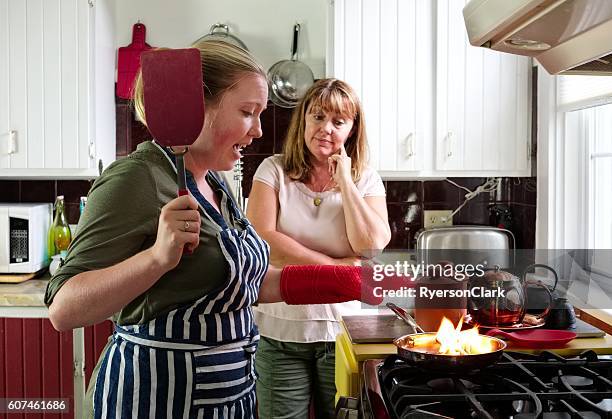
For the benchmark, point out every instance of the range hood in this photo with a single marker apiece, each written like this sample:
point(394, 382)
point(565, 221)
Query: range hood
point(565, 36)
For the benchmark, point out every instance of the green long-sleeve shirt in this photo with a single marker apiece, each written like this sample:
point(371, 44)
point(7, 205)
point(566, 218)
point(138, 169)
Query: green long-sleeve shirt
point(121, 220)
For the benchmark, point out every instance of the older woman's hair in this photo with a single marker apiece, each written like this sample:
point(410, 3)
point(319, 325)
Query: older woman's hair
point(333, 96)
point(223, 66)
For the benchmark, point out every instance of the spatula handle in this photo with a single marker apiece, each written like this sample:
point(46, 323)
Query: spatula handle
point(182, 188)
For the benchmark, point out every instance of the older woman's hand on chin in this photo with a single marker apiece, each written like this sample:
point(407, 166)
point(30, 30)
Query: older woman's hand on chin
point(340, 167)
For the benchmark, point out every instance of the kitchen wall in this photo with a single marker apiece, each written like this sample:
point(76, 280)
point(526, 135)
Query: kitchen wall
point(265, 26)
point(45, 191)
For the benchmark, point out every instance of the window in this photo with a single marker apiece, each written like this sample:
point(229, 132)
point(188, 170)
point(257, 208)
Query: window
point(585, 159)
point(600, 177)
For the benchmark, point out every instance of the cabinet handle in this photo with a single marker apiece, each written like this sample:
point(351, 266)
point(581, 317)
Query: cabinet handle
point(528, 147)
point(449, 144)
point(12, 142)
point(410, 145)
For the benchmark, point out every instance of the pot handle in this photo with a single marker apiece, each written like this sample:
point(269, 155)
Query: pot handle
point(544, 313)
point(294, 45)
point(221, 26)
point(541, 265)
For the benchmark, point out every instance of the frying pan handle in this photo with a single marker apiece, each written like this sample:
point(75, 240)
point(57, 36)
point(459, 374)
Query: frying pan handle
point(403, 314)
point(294, 45)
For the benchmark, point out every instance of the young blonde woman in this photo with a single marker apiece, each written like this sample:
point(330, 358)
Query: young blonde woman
point(317, 203)
point(184, 336)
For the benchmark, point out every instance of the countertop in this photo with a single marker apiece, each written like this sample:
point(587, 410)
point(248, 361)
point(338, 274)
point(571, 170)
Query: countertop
point(30, 293)
point(363, 351)
point(350, 357)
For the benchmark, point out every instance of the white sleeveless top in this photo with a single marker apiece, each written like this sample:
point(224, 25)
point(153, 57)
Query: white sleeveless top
point(319, 228)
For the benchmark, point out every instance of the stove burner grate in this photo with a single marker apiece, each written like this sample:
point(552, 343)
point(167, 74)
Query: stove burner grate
point(520, 386)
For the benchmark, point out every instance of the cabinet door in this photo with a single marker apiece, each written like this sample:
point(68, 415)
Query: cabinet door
point(482, 106)
point(4, 85)
point(36, 362)
point(45, 81)
point(384, 51)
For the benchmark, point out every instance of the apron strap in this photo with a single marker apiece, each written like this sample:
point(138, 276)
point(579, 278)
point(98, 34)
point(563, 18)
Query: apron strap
point(235, 210)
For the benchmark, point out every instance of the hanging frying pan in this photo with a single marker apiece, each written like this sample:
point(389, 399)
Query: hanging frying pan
point(289, 79)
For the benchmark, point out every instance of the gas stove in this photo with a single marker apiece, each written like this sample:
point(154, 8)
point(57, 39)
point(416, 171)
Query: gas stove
point(519, 386)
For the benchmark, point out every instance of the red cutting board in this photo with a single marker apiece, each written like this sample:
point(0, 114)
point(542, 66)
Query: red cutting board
point(128, 61)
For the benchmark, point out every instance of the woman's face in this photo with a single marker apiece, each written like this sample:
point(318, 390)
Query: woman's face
point(325, 132)
point(233, 123)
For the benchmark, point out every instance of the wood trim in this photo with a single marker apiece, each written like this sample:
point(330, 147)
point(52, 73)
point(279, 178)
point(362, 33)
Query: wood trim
point(596, 318)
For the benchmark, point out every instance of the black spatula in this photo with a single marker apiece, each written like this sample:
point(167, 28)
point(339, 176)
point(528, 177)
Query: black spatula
point(174, 101)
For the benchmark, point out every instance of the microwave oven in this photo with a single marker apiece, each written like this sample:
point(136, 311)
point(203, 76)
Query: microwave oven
point(23, 237)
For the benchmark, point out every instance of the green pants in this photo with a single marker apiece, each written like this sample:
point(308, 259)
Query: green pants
point(293, 374)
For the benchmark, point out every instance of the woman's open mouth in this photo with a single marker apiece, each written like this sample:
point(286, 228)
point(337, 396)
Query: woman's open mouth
point(238, 149)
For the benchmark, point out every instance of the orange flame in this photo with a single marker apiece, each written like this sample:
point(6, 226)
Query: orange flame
point(454, 341)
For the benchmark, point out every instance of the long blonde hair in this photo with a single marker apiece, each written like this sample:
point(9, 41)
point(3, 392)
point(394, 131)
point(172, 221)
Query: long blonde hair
point(223, 66)
point(333, 96)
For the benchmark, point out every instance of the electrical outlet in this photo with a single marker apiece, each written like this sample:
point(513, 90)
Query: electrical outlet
point(437, 218)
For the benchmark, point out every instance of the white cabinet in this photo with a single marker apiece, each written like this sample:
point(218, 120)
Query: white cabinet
point(48, 90)
point(385, 51)
point(482, 102)
point(434, 105)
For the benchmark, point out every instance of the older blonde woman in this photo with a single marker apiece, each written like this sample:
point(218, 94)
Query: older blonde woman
point(317, 203)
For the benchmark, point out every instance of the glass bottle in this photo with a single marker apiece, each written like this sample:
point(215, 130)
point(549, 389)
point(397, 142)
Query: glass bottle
point(59, 233)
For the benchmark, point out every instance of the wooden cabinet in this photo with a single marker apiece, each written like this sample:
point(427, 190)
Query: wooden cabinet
point(36, 361)
point(54, 70)
point(434, 105)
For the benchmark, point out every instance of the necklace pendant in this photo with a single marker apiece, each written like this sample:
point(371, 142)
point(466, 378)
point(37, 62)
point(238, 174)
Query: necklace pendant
point(317, 201)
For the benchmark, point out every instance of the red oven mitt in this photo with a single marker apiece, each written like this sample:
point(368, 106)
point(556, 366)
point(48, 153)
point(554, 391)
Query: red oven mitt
point(325, 284)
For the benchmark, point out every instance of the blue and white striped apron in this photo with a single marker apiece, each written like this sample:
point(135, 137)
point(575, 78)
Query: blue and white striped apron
point(195, 361)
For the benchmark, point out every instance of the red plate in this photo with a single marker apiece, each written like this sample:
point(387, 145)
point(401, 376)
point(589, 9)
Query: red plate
point(541, 338)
